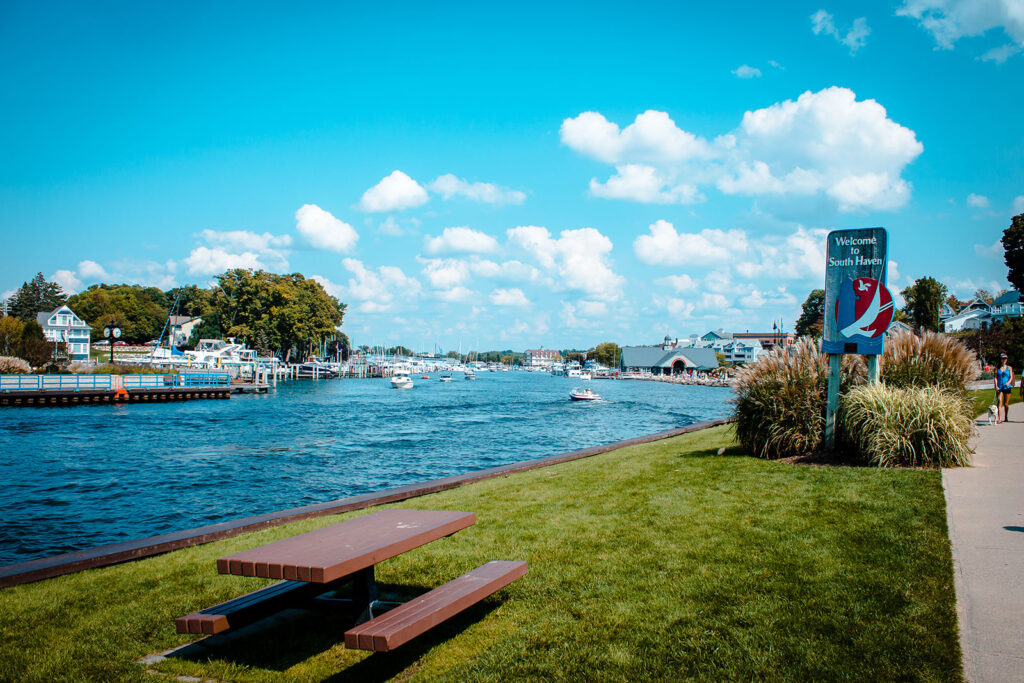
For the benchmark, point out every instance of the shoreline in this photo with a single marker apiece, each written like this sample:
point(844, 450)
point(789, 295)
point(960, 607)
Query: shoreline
point(128, 551)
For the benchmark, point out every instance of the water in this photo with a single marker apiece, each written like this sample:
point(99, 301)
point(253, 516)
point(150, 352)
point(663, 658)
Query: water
point(83, 476)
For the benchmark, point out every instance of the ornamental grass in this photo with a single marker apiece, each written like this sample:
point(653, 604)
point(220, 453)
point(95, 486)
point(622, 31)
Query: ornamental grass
point(907, 426)
point(928, 360)
point(780, 400)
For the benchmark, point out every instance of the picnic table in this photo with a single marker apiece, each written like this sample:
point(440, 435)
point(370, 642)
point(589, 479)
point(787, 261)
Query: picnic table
point(327, 559)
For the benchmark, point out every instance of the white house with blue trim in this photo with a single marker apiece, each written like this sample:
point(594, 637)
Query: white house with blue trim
point(63, 325)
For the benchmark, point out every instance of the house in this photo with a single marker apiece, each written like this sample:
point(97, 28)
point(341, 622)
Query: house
point(768, 340)
point(1006, 306)
point(741, 351)
point(181, 328)
point(668, 358)
point(898, 326)
point(945, 311)
point(715, 335)
point(968, 319)
point(535, 358)
point(62, 325)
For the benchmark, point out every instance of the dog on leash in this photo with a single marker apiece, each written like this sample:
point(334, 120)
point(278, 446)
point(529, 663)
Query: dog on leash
point(993, 413)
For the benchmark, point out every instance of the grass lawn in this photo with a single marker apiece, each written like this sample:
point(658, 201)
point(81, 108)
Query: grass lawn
point(983, 398)
point(658, 561)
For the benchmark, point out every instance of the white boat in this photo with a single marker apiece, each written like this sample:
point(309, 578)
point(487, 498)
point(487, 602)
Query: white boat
point(401, 381)
point(470, 374)
point(446, 378)
point(586, 376)
point(578, 394)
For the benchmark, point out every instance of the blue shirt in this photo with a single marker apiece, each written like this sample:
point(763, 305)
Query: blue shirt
point(1003, 378)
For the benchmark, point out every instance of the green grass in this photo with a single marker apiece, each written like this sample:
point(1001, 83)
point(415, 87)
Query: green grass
point(659, 561)
point(983, 398)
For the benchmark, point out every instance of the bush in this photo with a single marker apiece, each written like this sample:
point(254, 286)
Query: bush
point(907, 426)
point(108, 369)
point(928, 360)
point(9, 365)
point(781, 400)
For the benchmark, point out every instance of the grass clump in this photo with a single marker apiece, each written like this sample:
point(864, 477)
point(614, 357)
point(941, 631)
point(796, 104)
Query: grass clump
point(118, 369)
point(660, 561)
point(928, 359)
point(911, 427)
point(11, 365)
point(780, 400)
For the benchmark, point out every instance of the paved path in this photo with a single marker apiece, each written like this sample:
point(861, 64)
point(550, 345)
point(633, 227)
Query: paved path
point(985, 509)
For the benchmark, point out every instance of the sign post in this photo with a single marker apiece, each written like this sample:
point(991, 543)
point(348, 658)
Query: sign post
point(858, 307)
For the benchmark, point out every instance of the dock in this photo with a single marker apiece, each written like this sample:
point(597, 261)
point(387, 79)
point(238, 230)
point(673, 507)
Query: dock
point(65, 390)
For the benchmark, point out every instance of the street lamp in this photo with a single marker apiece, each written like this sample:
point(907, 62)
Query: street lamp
point(111, 333)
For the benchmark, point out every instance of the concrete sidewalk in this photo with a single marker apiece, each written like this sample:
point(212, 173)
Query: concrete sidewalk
point(985, 511)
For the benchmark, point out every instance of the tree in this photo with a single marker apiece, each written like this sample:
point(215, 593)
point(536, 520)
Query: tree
point(924, 298)
point(1013, 252)
point(608, 353)
point(140, 312)
point(984, 295)
point(36, 296)
point(33, 346)
point(11, 329)
point(953, 302)
point(812, 317)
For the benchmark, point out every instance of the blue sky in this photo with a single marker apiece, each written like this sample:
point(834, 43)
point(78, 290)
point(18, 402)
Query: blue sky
point(511, 175)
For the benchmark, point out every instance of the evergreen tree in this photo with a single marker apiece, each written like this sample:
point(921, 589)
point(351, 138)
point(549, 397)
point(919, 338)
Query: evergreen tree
point(36, 296)
point(1013, 252)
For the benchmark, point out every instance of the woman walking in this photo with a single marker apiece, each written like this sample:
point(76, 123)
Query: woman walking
point(1004, 387)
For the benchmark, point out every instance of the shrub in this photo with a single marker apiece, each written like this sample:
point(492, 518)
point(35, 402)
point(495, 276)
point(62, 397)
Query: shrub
point(907, 426)
point(9, 365)
point(108, 369)
point(781, 400)
point(928, 360)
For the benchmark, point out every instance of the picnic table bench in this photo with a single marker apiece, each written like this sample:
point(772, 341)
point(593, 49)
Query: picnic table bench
point(326, 559)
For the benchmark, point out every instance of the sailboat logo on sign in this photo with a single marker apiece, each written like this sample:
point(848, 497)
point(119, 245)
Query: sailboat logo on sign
point(864, 307)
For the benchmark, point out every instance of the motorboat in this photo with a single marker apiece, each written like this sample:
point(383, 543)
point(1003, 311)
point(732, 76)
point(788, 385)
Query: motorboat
point(584, 395)
point(586, 376)
point(446, 378)
point(470, 374)
point(400, 380)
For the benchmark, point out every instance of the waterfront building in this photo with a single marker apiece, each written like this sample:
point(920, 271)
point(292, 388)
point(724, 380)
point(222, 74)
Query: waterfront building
point(535, 358)
point(768, 340)
point(63, 325)
point(741, 351)
point(668, 358)
point(1006, 306)
point(181, 328)
point(968, 319)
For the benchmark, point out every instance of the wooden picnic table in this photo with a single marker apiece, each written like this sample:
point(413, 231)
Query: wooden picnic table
point(323, 560)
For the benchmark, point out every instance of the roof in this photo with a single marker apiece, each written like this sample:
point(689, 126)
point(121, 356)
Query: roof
point(1009, 297)
point(657, 357)
point(43, 318)
point(182, 319)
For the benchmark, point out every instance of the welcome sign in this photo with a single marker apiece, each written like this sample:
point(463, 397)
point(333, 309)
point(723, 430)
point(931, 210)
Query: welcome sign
point(858, 305)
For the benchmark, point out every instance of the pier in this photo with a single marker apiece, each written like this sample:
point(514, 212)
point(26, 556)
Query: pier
point(63, 390)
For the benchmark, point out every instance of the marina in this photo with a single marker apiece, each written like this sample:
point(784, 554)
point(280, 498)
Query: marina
point(113, 472)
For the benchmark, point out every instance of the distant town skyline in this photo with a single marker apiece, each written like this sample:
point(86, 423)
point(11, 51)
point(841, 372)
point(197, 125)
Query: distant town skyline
point(512, 176)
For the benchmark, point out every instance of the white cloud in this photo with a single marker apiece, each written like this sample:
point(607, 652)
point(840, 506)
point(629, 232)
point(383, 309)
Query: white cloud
point(712, 302)
point(394, 193)
point(799, 255)
point(592, 309)
point(323, 230)
point(978, 201)
point(1018, 204)
point(758, 299)
point(893, 271)
point(207, 261)
point(744, 71)
point(992, 251)
point(374, 291)
point(680, 308)
point(824, 142)
point(664, 246)
point(449, 186)
point(824, 23)
point(445, 273)
point(67, 280)
point(776, 64)
point(90, 271)
point(578, 257)
point(509, 297)
point(830, 140)
point(332, 288)
point(271, 249)
point(950, 20)
point(652, 137)
point(8, 294)
point(1000, 54)
point(642, 183)
point(679, 283)
point(460, 239)
point(512, 270)
point(455, 294)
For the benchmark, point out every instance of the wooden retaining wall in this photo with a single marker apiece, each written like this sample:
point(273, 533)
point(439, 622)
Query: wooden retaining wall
point(66, 397)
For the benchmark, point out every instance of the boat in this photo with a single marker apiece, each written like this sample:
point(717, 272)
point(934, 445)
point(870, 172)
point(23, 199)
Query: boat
point(578, 394)
point(446, 378)
point(424, 377)
point(586, 376)
point(470, 374)
point(400, 380)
